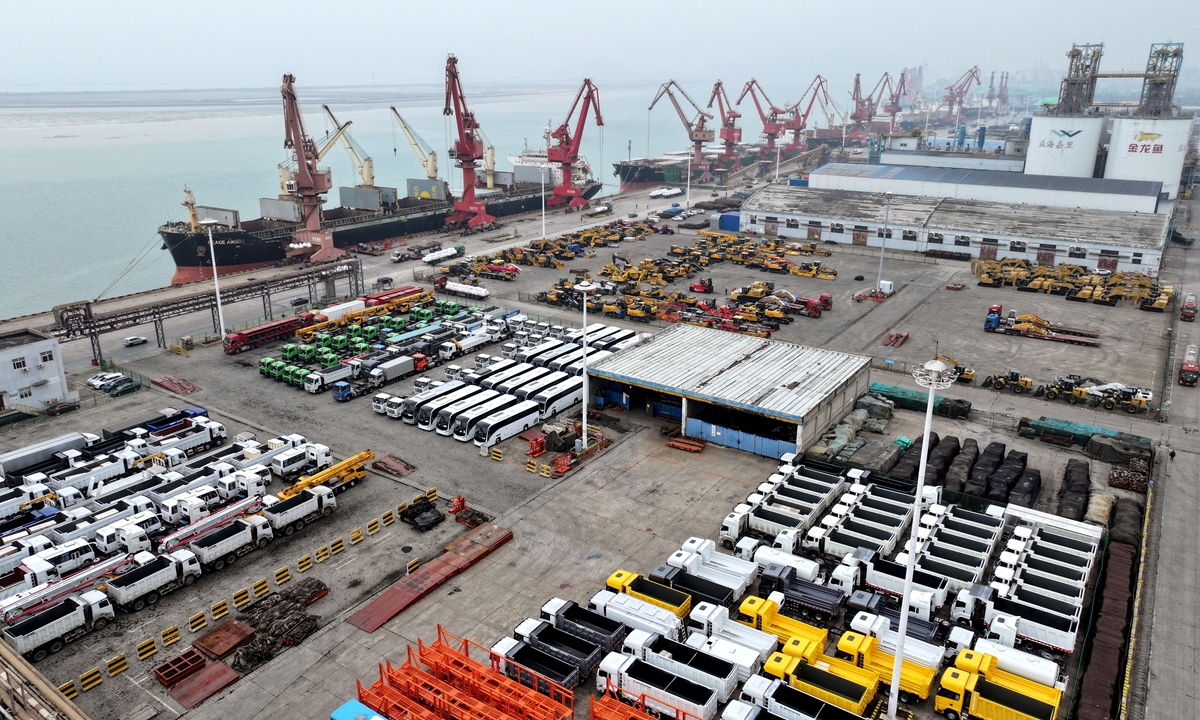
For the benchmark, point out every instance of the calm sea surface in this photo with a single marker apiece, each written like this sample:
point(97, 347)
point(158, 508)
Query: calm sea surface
point(87, 178)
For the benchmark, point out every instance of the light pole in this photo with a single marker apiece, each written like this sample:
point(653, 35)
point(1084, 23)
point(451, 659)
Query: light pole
point(887, 216)
point(584, 287)
point(688, 202)
point(543, 203)
point(776, 163)
point(208, 223)
point(935, 375)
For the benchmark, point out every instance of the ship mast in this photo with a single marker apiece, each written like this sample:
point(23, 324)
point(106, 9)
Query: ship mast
point(189, 202)
point(311, 182)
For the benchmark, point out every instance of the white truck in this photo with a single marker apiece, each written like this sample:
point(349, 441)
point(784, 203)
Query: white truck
point(694, 565)
point(186, 508)
point(308, 458)
point(434, 258)
point(87, 528)
point(51, 592)
point(175, 484)
point(915, 651)
point(1014, 623)
point(379, 400)
point(758, 522)
point(288, 516)
point(781, 553)
point(264, 455)
point(29, 574)
point(252, 480)
point(768, 695)
point(337, 312)
point(664, 693)
point(14, 500)
point(1020, 663)
point(319, 382)
point(393, 370)
point(15, 552)
point(200, 528)
point(47, 632)
point(130, 535)
point(636, 613)
point(154, 576)
point(93, 474)
point(203, 434)
point(745, 659)
point(715, 559)
point(679, 659)
point(863, 569)
point(714, 621)
point(224, 546)
point(462, 346)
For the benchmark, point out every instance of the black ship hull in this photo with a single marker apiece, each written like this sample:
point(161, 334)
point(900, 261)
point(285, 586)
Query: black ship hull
point(238, 250)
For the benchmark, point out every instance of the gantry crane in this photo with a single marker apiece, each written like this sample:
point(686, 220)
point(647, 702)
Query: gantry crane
point(1002, 95)
point(311, 182)
point(697, 133)
point(364, 166)
point(772, 118)
point(731, 134)
point(468, 150)
point(565, 151)
point(797, 120)
point(956, 95)
point(425, 154)
point(892, 107)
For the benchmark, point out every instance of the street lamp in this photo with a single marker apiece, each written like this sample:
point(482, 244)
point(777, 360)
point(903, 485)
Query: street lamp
point(689, 184)
point(208, 223)
point(935, 375)
point(584, 287)
point(887, 216)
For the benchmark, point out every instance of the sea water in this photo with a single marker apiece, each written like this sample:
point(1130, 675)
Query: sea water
point(87, 178)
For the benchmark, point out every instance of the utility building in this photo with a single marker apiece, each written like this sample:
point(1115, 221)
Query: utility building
point(31, 372)
point(764, 396)
point(962, 229)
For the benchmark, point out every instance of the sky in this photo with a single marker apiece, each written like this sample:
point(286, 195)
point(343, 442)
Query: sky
point(69, 45)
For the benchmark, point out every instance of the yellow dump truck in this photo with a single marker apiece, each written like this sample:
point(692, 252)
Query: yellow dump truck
point(764, 615)
point(968, 694)
point(835, 681)
point(633, 584)
point(916, 681)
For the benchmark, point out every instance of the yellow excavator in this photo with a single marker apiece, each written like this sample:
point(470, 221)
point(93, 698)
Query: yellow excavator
point(336, 477)
point(962, 373)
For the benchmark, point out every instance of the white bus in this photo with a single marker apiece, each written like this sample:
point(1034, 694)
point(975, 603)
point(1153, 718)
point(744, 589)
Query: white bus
point(596, 337)
point(500, 426)
point(608, 342)
point(626, 343)
point(463, 428)
point(444, 424)
point(528, 355)
point(528, 390)
point(412, 405)
point(476, 376)
point(576, 336)
point(576, 368)
point(545, 358)
point(491, 381)
point(510, 385)
point(557, 398)
point(429, 411)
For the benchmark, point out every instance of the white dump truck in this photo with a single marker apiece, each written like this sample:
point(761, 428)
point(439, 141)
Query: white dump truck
point(45, 633)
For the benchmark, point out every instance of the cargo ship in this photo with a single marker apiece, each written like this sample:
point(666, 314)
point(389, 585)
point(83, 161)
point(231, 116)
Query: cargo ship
point(670, 169)
point(263, 242)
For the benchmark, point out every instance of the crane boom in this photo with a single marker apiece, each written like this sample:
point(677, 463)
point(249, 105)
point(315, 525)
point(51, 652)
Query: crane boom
point(697, 133)
point(287, 172)
point(351, 468)
point(731, 134)
point(797, 120)
point(956, 94)
point(364, 166)
point(425, 155)
point(565, 151)
point(468, 150)
point(311, 181)
point(771, 118)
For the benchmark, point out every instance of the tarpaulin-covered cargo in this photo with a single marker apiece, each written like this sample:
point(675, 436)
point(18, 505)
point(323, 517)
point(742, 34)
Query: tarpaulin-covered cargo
point(1076, 487)
point(877, 456)
point(1126, 523)
point(940, 459)
point(877, 407)
point(906, 468)
point(988, 462)
point(1002, 481)
point(960, 467)
point(907, 399)
point(1079, 432)
point(1118, 450)
point(1025, 492)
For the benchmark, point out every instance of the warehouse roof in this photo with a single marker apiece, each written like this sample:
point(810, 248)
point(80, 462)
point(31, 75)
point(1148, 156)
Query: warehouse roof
point(758, 375)
point(992, 177)
point(976, 217)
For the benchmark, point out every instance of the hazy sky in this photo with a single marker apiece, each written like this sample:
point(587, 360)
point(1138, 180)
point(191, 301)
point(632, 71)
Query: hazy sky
point(150, 44)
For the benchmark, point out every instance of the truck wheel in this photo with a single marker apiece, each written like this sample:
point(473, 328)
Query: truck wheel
point(56, 646)
point(138, 605)
point(218, 565)
point(951, 715)
point(299, 525)
point(189, 579)
point(727, 544)
point(287, 531)
point(230, 559)
point(905, 698)
point(152, 598)
point(100, 624)
point(39, 655)
point(262, 543)
point(326, 511)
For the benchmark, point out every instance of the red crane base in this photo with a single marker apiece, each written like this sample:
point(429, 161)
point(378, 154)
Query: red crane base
point(570, 195)
point(473, 213)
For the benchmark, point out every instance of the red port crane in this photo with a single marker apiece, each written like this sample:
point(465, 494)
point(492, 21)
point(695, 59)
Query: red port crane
point(956, 95)
point(466, 153)
point(309, 182)
point(772, 118)
point(1002, 95)
point(697, 133)
point(865, 107)
point(797, 120)
point(731, 134)
point(566, 151)
point(892, 107)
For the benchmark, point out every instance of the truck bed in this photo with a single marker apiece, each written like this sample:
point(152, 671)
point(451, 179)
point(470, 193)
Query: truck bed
point(855, 541)
point(950, 555)
point(1068, 573)
point(294, 501)
point(858, 528)
point(692, 658)
point(1069, 543)
point(968, 544)
point(1035, 614)
point(977, 518)
point(967, 529)
point(1061, 556)
point(829, 682)
point(774, 517)
point(808, 705)
point(31, 625)
point(221, 535)
point(884, 506)
point(670, 683)
point(159, 563)
point(1013, 700)
point(879, 518)
point(547, 666)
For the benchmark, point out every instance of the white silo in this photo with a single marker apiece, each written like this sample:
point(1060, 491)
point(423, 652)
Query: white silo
point(1063, 146)
point(1148, 149)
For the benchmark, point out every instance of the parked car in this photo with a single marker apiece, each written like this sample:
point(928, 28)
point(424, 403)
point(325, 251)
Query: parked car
point(116, 383)
point(62, 407)
point(134, 340)
point(298, 301)
point(385, 280)
point(99, 379)
point(129, 387)
point(632, 215)
point(674, 204)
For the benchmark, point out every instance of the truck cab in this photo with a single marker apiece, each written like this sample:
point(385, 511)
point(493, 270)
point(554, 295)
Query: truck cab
point(245, 483)
point(185, 506)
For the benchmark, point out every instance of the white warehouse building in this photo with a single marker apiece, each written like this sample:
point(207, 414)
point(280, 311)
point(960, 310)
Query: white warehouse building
point(961, 229)
point(992, 185)
point(31, 371)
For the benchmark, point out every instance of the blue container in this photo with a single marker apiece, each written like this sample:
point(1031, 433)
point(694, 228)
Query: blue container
point(798, 182)
point(731, 221)
point(962, 135)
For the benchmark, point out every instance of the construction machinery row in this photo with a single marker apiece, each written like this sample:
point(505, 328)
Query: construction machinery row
point(1074, 282)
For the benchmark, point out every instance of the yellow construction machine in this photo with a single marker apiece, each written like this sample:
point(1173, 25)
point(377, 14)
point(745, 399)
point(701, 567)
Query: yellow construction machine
point(336, 477)
point(962, 373)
